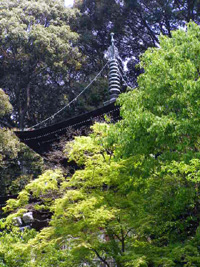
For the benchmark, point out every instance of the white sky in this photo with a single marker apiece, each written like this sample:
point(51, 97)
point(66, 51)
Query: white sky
point(69, 2)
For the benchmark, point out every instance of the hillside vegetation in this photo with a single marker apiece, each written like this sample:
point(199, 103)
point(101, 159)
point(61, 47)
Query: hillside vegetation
point(134, 198)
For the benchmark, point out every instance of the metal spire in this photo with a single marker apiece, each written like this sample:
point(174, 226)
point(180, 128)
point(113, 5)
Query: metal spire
point(114, 75)
point(112, 38)
point(113, 44)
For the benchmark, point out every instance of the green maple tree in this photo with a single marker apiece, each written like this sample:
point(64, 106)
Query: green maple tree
point(134, 200)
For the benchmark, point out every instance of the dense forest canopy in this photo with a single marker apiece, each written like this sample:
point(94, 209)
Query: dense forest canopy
point(49, 51)
point(129, 193)
point(38, 56)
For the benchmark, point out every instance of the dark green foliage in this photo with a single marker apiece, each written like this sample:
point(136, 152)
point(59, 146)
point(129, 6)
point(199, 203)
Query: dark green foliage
point(18, 164)
point(136, 24)
point(19, 170)
point(37, 57)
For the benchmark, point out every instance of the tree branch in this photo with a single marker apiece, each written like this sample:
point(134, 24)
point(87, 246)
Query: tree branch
point(102, 259)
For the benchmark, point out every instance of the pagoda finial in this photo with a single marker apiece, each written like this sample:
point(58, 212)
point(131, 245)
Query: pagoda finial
point(112, 52)
point(112, 38)
point(114, 75)
point(112, 45)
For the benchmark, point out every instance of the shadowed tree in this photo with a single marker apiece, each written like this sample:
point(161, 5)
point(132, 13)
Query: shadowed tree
point(136, 24)
point(38, 55)
point(18, 164)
